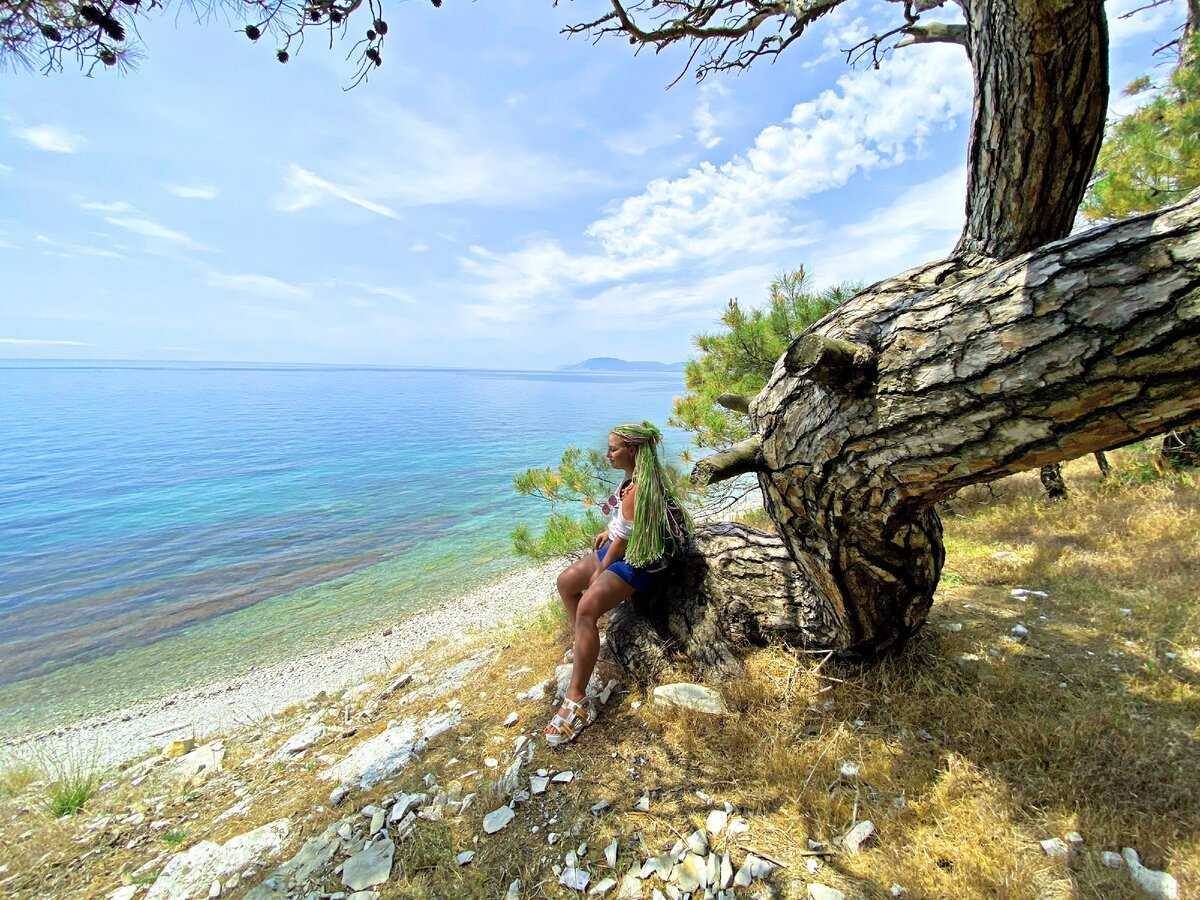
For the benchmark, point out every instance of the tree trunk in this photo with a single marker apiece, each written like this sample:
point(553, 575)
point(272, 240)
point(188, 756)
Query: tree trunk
point(1041, 94)
point(1102, 464)
point(1087, 344)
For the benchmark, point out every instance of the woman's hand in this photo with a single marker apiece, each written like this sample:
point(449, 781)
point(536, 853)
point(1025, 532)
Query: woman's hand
point(600, 540)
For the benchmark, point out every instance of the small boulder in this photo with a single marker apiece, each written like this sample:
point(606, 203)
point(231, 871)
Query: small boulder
point(497, 819)
point(691, 696)
point(857, 836)
point(370, 867)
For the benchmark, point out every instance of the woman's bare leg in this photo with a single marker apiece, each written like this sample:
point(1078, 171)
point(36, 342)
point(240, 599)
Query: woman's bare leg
point(607, 593)
point(573, 581)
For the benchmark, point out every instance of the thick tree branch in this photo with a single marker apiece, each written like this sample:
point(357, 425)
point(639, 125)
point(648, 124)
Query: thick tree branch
point(934, 33)
point(743, 457)
point(830, 362)
point(735, 402)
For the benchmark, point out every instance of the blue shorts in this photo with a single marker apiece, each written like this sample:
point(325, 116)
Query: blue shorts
point(638, 579)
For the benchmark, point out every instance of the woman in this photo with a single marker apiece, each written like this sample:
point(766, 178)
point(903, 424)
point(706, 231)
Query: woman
point(647, 525)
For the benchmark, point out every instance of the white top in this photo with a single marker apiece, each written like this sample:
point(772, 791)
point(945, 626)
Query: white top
point(618, 525)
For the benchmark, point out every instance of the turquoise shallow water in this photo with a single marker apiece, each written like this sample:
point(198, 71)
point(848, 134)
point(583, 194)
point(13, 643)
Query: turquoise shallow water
point(165, 524)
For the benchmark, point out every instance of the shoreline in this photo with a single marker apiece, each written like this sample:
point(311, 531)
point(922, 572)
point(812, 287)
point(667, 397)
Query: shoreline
point(114, 737)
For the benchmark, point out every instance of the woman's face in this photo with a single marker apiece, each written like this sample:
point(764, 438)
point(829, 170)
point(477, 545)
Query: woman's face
point(620, 454)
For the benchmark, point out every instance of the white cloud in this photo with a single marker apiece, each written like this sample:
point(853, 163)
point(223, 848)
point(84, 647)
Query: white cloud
point(304, 189)
point(35, 342)
point(652, 133)
point(119, 206)
point(198, 192)
point(51, 138)
point(704, 120)
point(153, 230)
point(393, 293)
point(420, 247)
point(922, 224)
point(745, 212)
point(412, 161)
point(262, 285)
point(5, 170)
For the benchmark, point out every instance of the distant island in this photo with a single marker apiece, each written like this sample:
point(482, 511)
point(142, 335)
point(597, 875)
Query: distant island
point(612, 364)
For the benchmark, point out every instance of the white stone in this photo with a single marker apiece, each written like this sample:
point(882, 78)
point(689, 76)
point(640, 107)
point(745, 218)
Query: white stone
point(726, 870)
point(403, 805)
point(1020, 630)
point(950, 626)
point(824, 892)
point(1055, 848)
point(1074, 839)
point(738, 827)
point(491, 762)
point(716, 821)
point(849, 771)
point(603, 887)
point(1157, 884)
point(384, 755)
point(191, 873)
point(598, 808)
point(203, 760)
point(697, 842)
point(690, 875)
point(124, 893)
point(643, 804)
point(563, 777)
point(511, 720)
point(743, 876)
point(1125, 611)
point(631, 887)
point(299, 742)
point(497, 819)
point(812, 864)
point(610, 855)
point(369, 867)
point(538, 784)
point(575, 879)
point(465, 857)
point(663, 865)
point(858, 835)
point(1111, 859)
point(692, 696)
point(514, 890)
point(897, 890)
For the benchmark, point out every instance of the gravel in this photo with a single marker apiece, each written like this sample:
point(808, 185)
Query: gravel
point(236, 702)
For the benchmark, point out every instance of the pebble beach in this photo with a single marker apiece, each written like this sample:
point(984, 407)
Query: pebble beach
point(122, 734)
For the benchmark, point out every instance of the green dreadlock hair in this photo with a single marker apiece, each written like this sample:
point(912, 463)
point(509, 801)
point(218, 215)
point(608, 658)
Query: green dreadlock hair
point(660, 523)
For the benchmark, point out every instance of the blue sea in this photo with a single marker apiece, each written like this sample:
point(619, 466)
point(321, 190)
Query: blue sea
point(166, 524)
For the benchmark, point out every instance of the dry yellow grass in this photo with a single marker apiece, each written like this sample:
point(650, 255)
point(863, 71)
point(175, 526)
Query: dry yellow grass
point(972, 748)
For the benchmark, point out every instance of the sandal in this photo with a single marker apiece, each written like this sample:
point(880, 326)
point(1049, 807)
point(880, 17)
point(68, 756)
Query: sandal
point(564, 729)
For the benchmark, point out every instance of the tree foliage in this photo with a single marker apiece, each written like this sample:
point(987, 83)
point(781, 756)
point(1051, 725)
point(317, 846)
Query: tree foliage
point(45, 34)
point(1151, 157)
point(739, 357)
point(577, 482)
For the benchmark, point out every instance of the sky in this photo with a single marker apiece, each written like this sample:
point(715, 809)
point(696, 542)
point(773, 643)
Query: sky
point(496, 196)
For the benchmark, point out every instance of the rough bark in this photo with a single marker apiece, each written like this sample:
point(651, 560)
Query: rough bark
point(1102, 464)
point(734, 586)
point(740, 459)
point(1041, 93)
point(1087, 344)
